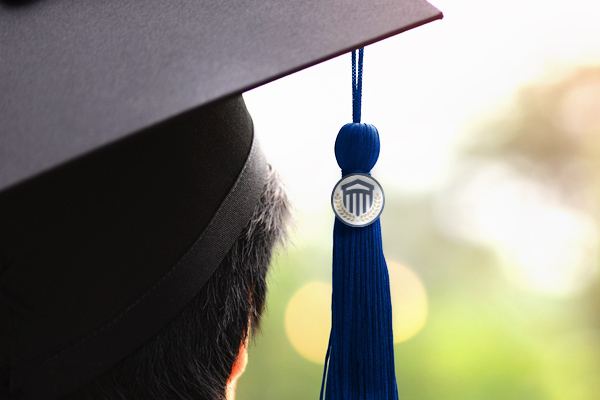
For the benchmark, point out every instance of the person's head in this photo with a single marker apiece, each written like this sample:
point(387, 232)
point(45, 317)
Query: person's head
point(203, 351)
point(138, 272)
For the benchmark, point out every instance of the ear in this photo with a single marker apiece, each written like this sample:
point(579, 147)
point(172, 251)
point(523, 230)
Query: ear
point(239, 366)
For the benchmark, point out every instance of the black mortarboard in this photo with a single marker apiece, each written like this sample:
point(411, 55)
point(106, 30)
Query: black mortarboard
point(127, 160)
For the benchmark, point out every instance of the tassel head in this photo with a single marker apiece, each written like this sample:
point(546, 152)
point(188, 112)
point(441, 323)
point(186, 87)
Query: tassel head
point(357, 199)
point(357, 148)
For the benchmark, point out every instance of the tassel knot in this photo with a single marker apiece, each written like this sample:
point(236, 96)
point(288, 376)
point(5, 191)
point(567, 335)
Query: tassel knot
point(357, 148)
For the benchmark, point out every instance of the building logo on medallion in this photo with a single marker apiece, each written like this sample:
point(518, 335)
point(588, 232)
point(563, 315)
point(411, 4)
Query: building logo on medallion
point(357, 200)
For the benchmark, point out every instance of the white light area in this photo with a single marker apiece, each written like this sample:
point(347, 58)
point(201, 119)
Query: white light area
point(543, 245)
point(423, 89)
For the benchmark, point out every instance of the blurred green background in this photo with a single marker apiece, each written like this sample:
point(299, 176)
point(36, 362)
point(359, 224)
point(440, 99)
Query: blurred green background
point(490, 124)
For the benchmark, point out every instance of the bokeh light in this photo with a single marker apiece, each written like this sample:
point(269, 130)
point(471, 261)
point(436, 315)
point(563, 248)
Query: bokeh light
point(308, 320)
point(409, 302)
point(308, 312)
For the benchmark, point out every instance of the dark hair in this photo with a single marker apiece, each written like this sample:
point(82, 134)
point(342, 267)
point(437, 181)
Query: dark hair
point(193, 356)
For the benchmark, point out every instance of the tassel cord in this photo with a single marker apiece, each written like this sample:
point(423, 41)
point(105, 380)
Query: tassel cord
point(357, 72)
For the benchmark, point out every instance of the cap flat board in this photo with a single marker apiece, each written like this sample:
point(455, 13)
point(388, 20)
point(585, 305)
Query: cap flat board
point(75, 76)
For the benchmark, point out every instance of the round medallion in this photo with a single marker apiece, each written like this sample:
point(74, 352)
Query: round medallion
point(357, 200)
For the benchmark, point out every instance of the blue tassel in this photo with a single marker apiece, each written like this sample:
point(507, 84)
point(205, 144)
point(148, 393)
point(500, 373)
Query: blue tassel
point(359, 364)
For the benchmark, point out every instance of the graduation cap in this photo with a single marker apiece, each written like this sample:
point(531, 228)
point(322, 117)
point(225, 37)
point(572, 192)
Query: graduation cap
point(128, 166)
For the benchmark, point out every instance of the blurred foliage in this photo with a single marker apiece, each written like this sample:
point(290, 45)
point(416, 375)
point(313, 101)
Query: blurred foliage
point(552, 133)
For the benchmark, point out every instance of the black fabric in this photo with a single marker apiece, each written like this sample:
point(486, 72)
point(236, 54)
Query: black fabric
point(75, 75)
point(102, 252)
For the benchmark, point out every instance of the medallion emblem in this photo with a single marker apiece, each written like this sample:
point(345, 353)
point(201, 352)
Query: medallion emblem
point(357, 200)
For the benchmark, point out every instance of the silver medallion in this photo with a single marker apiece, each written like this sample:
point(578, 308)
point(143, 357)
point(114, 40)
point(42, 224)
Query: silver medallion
point(357, 200)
